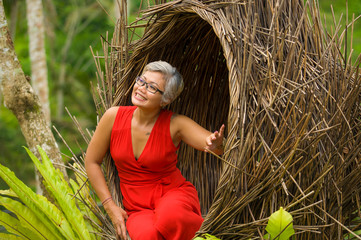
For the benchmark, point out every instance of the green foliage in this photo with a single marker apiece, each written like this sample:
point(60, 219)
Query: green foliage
point(355, 235)
point(26, 224)
point(4, 236)
point(71, 27)
point(280, 226)
point(35, 216)
point(339, 12)
point(12, 154)
point(14, 226)
point(41, 208)
point(60, 190)
point(350, 236)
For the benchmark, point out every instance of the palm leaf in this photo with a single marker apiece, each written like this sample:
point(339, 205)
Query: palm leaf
point(59, 188)
point(26, 217)
point(4, 236)
point(8, 193)
point(42, 208)
point(13, 225)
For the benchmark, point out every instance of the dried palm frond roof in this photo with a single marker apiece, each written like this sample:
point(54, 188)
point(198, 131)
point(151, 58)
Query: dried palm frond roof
point(289, 98)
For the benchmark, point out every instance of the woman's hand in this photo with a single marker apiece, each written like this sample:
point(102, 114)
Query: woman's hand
point(118, 217)
point(215, 141)
point(184, 129)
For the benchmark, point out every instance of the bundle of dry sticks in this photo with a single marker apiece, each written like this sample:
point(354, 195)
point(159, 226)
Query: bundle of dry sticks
point(287, 91)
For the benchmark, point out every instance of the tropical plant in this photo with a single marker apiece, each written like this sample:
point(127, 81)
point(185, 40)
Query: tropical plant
point(280, 225)
point(73, 215)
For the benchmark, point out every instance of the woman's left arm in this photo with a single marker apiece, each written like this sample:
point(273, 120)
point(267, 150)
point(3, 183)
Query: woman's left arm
point(190, 132)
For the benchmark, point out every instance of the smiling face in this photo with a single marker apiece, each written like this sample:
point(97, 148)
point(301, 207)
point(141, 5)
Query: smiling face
point(141, 97)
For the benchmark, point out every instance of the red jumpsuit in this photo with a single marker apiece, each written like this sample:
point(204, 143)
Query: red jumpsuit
point(160, 203)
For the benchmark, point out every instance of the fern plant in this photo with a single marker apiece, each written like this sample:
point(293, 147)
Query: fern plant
point(32, 216)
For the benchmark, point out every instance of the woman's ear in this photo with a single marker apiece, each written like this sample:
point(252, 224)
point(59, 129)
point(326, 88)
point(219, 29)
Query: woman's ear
point(163, 104)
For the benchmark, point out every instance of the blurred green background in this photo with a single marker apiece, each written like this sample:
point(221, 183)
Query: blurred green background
point(71, 27)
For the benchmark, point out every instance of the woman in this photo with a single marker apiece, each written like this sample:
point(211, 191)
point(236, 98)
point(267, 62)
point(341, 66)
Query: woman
point(143, 139)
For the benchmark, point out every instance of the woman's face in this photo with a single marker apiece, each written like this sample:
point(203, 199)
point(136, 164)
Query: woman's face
point(141, 97)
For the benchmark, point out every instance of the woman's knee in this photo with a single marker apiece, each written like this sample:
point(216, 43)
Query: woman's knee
point(177, 216)
point(141, 226)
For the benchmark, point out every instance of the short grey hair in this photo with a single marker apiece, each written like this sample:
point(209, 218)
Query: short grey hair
point(173, 80)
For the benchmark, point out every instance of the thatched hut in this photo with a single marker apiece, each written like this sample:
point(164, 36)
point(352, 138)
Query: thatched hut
point(289, 97)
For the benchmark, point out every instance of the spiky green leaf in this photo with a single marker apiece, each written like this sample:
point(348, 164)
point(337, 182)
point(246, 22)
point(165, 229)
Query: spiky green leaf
point(9, 193)
point(26, 217)
point(44, 210)
point(13, 225)
point(61, 191)
point(5, 236)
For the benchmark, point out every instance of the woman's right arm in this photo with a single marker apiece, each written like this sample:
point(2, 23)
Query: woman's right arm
point(97, 148)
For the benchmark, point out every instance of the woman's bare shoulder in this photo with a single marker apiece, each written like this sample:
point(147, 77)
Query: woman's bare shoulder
point(180, 119)
point(179, 122)
point(109, 115)
point(112, 110)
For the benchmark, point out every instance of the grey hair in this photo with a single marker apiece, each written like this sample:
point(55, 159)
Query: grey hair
point(173, 80)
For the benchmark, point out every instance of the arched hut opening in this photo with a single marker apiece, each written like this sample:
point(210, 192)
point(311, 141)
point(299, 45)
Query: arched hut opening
point(187, 41)
point(289, 99)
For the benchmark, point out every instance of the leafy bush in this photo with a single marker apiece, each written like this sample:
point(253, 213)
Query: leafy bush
point(71, 215)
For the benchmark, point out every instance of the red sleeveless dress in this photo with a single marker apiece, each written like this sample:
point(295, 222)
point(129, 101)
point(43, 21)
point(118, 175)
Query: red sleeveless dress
point(160, 203)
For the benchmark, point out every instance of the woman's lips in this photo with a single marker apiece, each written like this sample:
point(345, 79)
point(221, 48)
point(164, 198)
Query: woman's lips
point(140, 97)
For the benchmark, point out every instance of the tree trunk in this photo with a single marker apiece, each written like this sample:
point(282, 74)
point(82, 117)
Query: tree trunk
point(20, 98)
point(14, 18)
point(39, 71)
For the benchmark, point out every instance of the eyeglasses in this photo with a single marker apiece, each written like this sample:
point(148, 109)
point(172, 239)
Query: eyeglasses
point(150, 87)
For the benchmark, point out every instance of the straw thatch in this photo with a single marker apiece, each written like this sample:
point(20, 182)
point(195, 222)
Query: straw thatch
point(287, 92)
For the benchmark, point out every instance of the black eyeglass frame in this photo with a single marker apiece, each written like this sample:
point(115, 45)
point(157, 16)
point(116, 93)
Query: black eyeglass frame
point(140, 81)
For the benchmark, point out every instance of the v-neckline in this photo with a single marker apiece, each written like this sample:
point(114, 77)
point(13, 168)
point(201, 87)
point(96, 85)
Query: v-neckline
point(150, 135)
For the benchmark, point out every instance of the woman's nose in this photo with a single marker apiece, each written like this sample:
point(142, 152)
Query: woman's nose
point(143, 88)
